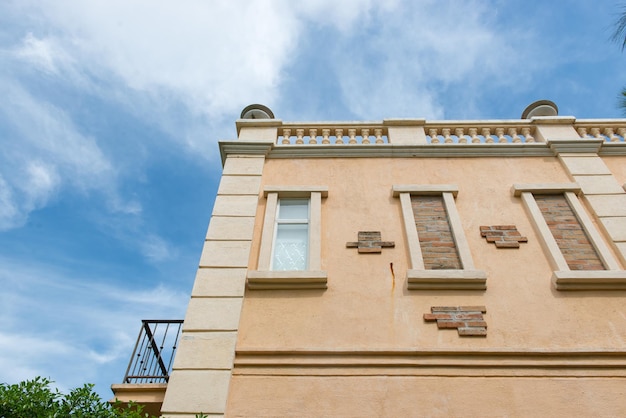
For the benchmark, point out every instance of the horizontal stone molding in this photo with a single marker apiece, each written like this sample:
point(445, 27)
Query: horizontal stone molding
point(590, 280)
point(446, 279)
point(431, 362)
point(575, 145)
point(386, 150)
point(244, 148)
point(295, 191)
point(611, 149)
point(287, 280)
point(545, 188)
point(425, 189)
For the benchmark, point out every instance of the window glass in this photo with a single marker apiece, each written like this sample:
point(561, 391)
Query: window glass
point(293, 209)
point(291, 247)
point(291, 241)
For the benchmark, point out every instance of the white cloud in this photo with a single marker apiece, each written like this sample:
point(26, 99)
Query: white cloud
point(42, 53)
point(43, 150)
point(211, 56)
point(404, 60)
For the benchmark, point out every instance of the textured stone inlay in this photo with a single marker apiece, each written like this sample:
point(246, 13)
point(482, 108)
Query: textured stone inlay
point(439, 249)
point(577, 249)
point(468, 320)
point(370, 242)
point(503, 236)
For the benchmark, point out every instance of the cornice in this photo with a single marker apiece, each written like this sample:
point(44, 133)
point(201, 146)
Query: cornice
point(560, 146)
point(411, 151)
point(244, 148)
point(538, 149)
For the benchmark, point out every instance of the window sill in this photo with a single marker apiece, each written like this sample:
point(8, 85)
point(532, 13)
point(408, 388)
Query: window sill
point(446, 280)
point(287, 280)
point(589, 280)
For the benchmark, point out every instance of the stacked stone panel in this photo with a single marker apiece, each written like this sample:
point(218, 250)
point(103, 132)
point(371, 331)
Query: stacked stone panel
point(435, 235)
point(202, 369)
point(572, 240)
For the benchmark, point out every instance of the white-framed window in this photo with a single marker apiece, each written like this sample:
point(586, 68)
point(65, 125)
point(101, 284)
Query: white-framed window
point(290, 249)
point(431, 208)
point(577, 253)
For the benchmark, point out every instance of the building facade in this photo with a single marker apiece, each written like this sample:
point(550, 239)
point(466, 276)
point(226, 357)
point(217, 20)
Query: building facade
point(411, 268)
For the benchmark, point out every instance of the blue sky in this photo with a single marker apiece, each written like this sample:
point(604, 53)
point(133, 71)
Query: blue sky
point(110, 113)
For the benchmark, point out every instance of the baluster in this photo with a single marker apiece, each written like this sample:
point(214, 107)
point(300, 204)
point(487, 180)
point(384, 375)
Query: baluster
point(461, 135)
point(312, 136)
point(473, 132)
point(286, 136)
point(595, 132)
point(527, 136)
point(583, 132)
point(351, 136)
point(514, 136)
point(299, 135)
point(500, 135)
point(365, 134)
point(622, 132)
point(447, 139)
point(487, 134)
point(379, 136)
point(325, 135)
point(611, 135)
point(432, 133)
point(338, 136)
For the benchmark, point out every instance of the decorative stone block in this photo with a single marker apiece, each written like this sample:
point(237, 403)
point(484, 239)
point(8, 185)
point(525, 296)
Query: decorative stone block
point(468, 320)
point(503, 236)
point(370, 242)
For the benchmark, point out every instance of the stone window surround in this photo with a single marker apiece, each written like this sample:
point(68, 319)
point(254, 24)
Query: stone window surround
point(418, 278)
point(613, 278)
point(313, 278)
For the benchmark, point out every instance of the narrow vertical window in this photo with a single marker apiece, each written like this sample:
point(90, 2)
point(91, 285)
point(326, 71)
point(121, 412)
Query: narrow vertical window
point(568, 233)
point(579, 256)
point(435, 235)
point(439, 255)
point(290, 249)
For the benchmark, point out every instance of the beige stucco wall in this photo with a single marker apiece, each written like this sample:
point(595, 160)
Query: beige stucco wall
point(617, 165)
point(367, 316)
point(389, 396)
point(367, 306)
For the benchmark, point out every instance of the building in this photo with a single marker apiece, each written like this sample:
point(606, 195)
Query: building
point(410, 268)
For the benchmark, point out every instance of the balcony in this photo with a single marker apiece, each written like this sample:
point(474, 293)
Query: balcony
point(150, 365)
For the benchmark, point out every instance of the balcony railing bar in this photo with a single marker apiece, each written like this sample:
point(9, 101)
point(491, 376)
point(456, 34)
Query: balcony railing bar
point(154, 351)
point(155, 348)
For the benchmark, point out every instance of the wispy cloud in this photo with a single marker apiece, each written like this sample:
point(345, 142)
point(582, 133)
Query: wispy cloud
point(80, 318)
point(406, 59)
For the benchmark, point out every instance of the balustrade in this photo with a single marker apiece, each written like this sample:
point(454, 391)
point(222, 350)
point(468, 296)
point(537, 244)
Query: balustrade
point(492, 134)
point(336, 135)
point(608, 131)
point(439, 132)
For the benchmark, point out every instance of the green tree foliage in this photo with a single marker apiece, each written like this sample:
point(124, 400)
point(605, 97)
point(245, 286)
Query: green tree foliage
point(36, 399)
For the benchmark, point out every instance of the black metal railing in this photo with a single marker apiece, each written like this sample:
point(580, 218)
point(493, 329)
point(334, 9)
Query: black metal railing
point(152, 358)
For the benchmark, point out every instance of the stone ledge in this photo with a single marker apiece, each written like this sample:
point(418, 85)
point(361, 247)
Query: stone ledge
point(295, 191)
point(287, 280)
point(425, 189)
point(446, 279)
point(545, 188)
point(590, 280)
point(150, 395)
point(558, 145)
